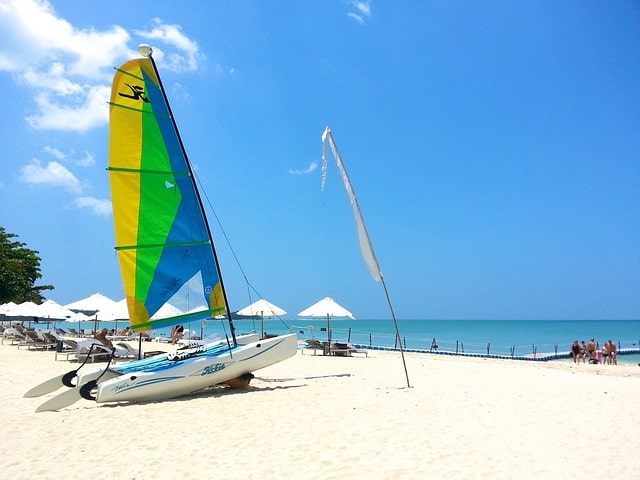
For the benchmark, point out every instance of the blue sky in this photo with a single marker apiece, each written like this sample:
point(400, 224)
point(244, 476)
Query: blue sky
point(494, 147)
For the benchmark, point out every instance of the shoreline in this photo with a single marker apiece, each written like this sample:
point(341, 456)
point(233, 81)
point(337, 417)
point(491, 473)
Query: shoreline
point(320, 417)
point(538, 357)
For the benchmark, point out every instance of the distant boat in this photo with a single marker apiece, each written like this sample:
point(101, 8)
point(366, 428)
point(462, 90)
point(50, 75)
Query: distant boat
point(166, 256)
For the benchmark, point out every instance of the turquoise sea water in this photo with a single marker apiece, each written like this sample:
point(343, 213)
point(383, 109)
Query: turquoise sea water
point(500, 337)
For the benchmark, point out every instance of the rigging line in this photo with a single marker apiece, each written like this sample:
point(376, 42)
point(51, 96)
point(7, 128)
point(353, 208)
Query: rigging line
point(203, 192)
point(224, 233)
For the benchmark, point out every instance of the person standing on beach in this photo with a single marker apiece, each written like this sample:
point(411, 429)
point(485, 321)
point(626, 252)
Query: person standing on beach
point(575, 351)
point(605, 353)
point(583, 351)
point(591, 349)
point(176, 333)
point(613, 351)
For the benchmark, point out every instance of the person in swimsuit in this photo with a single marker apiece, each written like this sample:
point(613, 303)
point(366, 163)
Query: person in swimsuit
point(575, 351)
point(583, 351)
point(591, 349)
point(605, 353)
point(102, 336)
point(176, 333)
point(613, 353)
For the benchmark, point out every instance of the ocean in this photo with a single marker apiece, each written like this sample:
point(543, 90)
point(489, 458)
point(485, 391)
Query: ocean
point(497, 337)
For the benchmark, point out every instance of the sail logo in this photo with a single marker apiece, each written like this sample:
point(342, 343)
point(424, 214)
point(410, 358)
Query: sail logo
point(208, 370)
point(137, 93)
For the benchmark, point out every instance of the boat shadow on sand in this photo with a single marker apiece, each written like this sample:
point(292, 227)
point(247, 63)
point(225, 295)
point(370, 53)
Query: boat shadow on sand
point(222, 390)
point(315, 377)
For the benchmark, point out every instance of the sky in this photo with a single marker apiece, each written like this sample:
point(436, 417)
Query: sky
point(494, 148)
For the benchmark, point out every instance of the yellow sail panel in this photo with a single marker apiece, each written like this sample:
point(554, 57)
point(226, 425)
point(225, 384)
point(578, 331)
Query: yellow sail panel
point(125, 152)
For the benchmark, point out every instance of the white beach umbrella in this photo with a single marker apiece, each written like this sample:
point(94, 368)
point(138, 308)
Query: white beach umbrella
point(262, 308)
point(52, 310)
point(93, 305)
point(327, 307)
point(26, 310)
point(80, 317)
point(5, 308)
point(115, 312)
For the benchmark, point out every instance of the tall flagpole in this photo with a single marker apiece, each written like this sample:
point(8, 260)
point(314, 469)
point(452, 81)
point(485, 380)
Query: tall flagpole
point(366, 248)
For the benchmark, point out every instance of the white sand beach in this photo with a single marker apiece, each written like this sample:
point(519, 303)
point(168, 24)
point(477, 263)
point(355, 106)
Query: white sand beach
point(315, 417)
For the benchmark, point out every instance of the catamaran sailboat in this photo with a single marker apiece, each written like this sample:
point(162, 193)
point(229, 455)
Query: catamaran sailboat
point(166, 255)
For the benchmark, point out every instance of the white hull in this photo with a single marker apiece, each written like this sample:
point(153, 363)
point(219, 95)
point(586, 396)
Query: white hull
point(158, 378)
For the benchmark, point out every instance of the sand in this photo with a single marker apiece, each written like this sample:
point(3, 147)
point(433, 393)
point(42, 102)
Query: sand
point(315, 417)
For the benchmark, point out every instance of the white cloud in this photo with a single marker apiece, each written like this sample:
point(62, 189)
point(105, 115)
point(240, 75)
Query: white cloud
point(87, 161)
point(54, 152)
point(58, 61)
point(33, 35)
point(54, 174)
point(312, 166)
point(96, 205)
point(357, 18)
point(92, 111)
point(53, 80)
point(363, 11)
point(188, 54)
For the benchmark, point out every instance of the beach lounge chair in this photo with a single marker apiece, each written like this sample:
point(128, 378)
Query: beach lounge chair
point(362, 351)
point(125, 351)
point(340, 350)
point(346, 350)
point(34, 341)
point(99, 352)
point(68, 348)
point(315, 345)
point(12, 335)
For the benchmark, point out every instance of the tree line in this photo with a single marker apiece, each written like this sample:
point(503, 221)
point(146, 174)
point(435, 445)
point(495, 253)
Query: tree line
point(19, 271)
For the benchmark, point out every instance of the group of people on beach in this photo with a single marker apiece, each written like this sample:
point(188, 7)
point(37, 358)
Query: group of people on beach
point(607, 354)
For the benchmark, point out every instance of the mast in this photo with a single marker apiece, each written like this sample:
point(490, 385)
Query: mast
point(147, 52)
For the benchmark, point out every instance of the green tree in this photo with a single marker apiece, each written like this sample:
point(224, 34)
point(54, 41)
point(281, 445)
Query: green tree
point(19, 270)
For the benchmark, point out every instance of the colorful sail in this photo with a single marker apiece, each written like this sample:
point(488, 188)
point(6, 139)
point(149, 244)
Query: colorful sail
point(162, 239)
